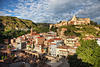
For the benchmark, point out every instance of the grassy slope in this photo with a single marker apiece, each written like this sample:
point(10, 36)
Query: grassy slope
point(13, 22)
point(85, 29)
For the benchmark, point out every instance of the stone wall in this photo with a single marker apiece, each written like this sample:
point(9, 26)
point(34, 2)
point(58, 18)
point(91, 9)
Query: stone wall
point(79, 21)
point(74, 21)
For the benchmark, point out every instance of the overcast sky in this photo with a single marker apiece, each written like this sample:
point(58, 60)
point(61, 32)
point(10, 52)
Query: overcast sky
point(51, 11)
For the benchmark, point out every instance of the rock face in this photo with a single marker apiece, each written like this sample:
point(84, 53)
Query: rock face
point(63, 23)
point(50, 26)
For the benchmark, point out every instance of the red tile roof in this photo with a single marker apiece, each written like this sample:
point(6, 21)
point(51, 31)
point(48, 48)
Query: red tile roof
point(63, 47)
point(13, 48)
point(40, 37)
point(53, 43)
point(51, 40)
point(37, 34)
point(57, 38)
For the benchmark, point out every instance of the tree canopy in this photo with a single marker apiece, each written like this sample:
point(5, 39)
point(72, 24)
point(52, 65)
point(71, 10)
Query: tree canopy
point(89, 52)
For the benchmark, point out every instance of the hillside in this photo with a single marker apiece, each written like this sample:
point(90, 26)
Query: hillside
point(80, 27)
point(10, 27)
point(82, 31)
point(15, 23)
point(78, 30)
point(42, 27)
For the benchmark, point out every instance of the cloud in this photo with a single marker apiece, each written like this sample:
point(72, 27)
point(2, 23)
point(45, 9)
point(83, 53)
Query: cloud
point(53, 11)
point(18, 16)
point(3, 13)
point(10, 11)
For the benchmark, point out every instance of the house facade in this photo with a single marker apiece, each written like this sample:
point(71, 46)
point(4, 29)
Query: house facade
point(53, 46)
point(71, 41)
point(62, 51)
point(52, 49)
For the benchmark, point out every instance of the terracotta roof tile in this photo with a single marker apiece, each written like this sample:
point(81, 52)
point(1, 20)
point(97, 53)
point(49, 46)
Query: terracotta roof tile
point(40, 37)
point(51, 40)
point(57, 38)
point(53, 44)
point(37, 34)
point(63, 47)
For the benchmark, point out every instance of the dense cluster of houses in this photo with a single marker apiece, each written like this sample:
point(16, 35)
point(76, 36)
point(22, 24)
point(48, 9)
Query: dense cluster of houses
point(47, 43)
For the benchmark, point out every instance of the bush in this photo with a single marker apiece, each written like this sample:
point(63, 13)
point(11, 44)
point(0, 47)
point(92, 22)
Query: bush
point(54, 29)
point(5, 57)
point(2, 57)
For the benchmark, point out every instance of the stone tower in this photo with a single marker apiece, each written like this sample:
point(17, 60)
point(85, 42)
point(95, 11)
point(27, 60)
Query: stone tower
point(31, 31)
point(74, 19)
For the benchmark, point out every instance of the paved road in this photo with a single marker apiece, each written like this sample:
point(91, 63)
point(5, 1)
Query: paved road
point(65, 63)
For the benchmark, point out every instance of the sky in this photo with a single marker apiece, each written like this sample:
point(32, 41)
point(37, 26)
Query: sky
point(51, 11)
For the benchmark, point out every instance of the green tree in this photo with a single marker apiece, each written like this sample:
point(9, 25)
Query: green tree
point(98, 34)
point(54, 29)
point(89, 52)
point(60, 21)
point(5, 57)
point(93, 23)
point(8, 47)
point(75, 62)
point(2, 57)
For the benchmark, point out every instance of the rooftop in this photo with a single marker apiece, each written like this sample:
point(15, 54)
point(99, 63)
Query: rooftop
point(57, 38)
point(51, 40)
point(63, 47)
point(53, 43)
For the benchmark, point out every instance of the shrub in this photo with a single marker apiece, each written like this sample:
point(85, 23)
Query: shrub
point(2, 57)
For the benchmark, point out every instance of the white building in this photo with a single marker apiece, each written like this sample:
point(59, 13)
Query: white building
point(39, 48)
point(53, 45)
point(98, 41)
point(52, 49)
point(62, 51)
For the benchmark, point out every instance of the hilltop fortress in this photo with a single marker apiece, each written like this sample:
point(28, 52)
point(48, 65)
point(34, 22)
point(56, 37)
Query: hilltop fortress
point(74, 21)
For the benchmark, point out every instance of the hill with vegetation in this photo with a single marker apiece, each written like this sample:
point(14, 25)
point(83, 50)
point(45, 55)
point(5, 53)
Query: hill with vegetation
point(80, 30)
point(10, 27)
point(42, 27)
point(13, 23)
